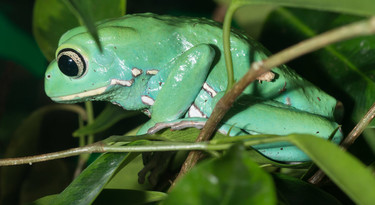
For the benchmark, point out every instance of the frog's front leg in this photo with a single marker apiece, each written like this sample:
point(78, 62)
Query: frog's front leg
point(188, 72)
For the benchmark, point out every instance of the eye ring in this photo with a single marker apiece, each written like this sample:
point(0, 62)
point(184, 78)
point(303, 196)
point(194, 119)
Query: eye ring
point(71, 63)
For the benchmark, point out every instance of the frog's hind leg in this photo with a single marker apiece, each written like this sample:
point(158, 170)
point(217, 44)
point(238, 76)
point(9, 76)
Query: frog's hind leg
point(198, 123)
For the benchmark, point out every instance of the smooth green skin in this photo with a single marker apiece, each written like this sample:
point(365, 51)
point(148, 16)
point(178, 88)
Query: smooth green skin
point(191, 78)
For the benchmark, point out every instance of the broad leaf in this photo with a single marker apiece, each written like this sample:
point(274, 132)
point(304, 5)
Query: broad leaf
point(353, 177)
point(114, 196)
point(362, 7)
point(20, 47)
point(127, 177)
point(108, 117)
point(129, 197)
point(345, 70)
point(83, 12)
point(87, 186)
point(44, 200)
point(295, 191)
point(52, 18)
point(232, 179)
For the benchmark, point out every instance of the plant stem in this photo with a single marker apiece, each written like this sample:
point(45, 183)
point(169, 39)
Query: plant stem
point(97, 147)
point(226, 44)
point(349, 140)
point(90, 119)
point(82, 142)
point(258, 68)
point(104, 146)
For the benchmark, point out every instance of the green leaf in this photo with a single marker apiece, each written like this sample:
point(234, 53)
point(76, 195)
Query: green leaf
point(87, 186)
point(344, 69)
point(52, 18)
point(44, 200)
point(114, 196)
point(82, 10)
point(232, 179)
point(129, 197)
point(295, 191)
point(127, 177)
point(263, 160)
point(185, 135)
point(20, 47)
point(108, 117)
point(363, 7)
point(353, 177)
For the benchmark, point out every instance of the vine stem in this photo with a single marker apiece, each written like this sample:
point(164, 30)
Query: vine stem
point(105, 146)
point(360, 28)
point(318, 176)
point(82, 141)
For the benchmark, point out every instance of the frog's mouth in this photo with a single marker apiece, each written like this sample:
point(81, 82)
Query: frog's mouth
point(91, 93)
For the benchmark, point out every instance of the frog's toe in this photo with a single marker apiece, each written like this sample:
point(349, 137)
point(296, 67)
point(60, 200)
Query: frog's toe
point(177, 125)
point(159, 126)
point(187, 124)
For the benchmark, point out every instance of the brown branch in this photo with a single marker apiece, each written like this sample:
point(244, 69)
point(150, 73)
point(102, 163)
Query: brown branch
point(359, 128)
point(258, 68)
point(349, 140)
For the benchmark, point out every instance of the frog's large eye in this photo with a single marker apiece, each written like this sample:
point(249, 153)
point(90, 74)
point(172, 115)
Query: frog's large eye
point(71, 63)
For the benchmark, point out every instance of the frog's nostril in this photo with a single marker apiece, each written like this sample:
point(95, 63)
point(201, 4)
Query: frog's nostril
point(48, 76)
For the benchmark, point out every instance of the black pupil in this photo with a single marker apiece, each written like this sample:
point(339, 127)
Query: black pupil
point(68, 66)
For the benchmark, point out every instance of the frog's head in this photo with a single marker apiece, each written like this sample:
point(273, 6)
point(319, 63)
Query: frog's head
point(82, 72)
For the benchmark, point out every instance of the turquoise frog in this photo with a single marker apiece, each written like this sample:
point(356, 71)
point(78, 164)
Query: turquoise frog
point(173, 70)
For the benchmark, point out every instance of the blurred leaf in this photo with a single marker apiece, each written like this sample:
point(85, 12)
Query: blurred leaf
point(232, 179)
point(251, 18)
point(47, 200)
point(129, 197)
point(345, 70)
point(52, 18)
point(108, 117)
point(115, 196)
point(127, 177)
point(25, 142)
point(362, 7)
point(263, 160)
point(82, 10)
point(20, 47)
point(87, 186)
point(340, 167)
point(370, 138)
point(185, 135)
point(295, 191)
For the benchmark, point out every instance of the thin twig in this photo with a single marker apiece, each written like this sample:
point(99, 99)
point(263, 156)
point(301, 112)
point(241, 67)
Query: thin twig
point(359, 128)
point(361, 28)
point(96, 147)
point(108, 146)
point(318, 176)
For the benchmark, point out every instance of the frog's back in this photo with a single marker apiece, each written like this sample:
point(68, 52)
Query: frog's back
point(164, 37)
point(175, 35)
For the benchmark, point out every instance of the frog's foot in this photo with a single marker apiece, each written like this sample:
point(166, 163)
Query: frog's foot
point(176, 125)
point(156, 164)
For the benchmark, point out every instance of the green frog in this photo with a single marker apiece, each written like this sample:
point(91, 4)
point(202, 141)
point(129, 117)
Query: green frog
point(173, 70)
